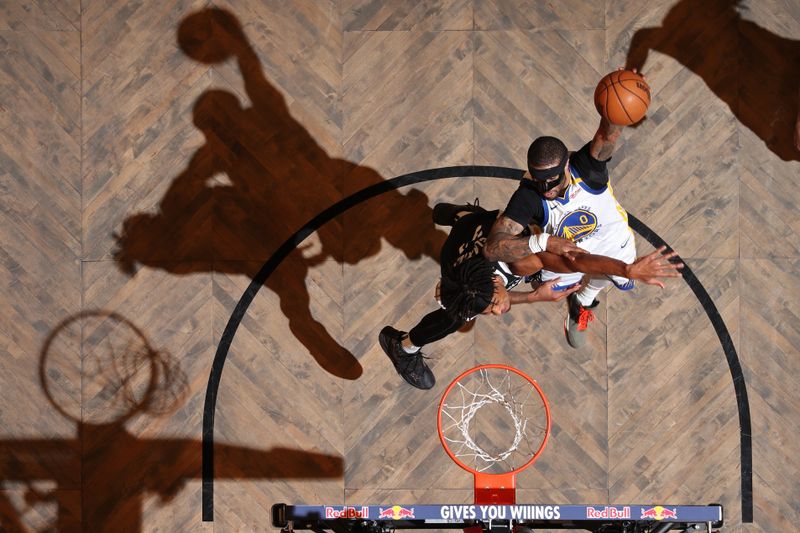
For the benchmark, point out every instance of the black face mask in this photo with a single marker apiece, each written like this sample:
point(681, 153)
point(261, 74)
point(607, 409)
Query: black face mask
point(544, 186)
point(549, 178)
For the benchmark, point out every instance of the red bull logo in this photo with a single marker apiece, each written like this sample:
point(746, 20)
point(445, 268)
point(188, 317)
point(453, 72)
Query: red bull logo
point(608, 512)
point(659, 513)
point(347, 512)
point(396, 512)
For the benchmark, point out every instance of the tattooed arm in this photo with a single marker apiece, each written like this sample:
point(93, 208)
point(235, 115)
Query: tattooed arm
point(605, 139)
point(505, 242)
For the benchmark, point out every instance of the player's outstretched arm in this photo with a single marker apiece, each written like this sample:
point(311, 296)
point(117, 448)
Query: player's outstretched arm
point(542, 293)
point(647, 269)
point(653, 266)
point(506, 244)
point(604, 140)
point(527, 266)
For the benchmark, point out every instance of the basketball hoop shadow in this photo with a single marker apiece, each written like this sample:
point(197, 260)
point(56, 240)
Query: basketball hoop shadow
point(97, 481)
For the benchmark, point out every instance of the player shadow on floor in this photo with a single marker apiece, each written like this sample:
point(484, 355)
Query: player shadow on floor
point(259, 177)
point(98, 370)
point(755, 72)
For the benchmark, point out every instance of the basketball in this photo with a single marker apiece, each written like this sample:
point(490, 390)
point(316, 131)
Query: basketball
point(622, 97)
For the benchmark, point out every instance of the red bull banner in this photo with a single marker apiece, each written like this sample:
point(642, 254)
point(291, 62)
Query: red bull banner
point(468, 513)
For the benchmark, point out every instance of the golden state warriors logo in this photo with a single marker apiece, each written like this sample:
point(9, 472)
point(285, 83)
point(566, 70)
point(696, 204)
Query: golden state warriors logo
point(577, 225)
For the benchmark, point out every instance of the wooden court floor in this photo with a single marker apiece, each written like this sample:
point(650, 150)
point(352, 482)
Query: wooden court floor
point(155, 154)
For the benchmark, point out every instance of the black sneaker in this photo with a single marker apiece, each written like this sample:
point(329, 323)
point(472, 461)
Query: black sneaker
point(411, 366)
point(577, 321)
point(446, 214)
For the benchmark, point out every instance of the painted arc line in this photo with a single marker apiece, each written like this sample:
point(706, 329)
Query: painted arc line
point(735, 367)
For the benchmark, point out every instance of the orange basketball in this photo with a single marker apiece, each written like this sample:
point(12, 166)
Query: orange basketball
point(622, 97)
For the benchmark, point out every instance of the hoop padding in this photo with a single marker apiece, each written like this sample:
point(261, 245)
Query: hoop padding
point(506, 393)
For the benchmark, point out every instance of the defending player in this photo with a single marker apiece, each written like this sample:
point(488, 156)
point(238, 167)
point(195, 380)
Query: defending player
point(471, 285)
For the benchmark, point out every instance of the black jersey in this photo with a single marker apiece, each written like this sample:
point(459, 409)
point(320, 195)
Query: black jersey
point(466, 240)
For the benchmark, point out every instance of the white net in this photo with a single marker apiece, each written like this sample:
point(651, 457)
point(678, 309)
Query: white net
point(493, 420)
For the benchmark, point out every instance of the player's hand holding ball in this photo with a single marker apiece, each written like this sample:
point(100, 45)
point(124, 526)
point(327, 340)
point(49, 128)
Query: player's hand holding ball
point(622, 97)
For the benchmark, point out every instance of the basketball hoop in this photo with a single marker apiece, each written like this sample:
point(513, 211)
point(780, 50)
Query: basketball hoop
point(479, 411)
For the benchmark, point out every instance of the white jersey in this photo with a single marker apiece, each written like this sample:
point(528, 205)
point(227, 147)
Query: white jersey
point(595, 221)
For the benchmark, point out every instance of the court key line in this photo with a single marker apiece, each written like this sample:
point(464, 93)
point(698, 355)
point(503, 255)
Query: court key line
point(746, 446)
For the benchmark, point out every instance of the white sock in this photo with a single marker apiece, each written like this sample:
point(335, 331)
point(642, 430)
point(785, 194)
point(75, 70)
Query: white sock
point(586, 295)
point(408, 347)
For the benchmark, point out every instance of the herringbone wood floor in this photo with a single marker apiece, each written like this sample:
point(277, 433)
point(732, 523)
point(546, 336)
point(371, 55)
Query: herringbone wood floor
point(155, 153)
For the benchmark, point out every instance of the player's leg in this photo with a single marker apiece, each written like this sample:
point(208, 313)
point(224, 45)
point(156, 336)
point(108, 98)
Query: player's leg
point(433, 327)
point(580, 305)
point(405, 349)
point(579, 311)
point(578, 315)
point(587, 296)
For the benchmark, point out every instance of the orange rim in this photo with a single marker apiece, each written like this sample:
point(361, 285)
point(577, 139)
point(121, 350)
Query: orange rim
point(505, 476)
